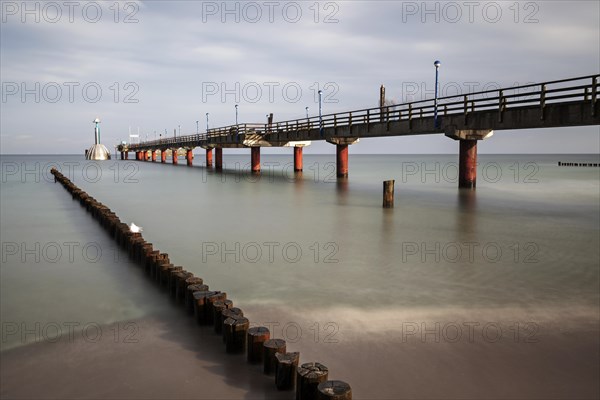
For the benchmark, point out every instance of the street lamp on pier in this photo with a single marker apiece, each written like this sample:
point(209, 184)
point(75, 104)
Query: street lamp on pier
point(320, 114)
point(437, 64)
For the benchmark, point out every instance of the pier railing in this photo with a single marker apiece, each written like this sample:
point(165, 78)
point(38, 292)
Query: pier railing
point(580, 89)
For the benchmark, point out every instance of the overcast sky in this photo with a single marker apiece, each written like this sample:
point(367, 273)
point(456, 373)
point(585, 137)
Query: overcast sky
point(157, 65)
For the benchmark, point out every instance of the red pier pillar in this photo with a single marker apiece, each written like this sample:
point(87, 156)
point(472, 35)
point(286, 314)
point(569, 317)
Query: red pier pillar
point(219, 158)
point(153, 155)
point(467, 168)
point(189, 157)
point(146, 155)
point(209, 158)
point(163, 156)
point(255, 158)
point(342, 160)
point(297, 158)
point(127, 155)
point(174, 156)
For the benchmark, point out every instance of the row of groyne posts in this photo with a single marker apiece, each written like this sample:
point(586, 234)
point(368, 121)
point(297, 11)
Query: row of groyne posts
point(212, 307)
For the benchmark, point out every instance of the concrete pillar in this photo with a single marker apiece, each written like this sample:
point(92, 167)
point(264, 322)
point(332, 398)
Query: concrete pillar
point(297, 158)
point(174, 156)
point(163, 156)
point(219, 158)
point(153, 155)
point(255, 158)
point(467, 164)
point(467, 159)
point(342, 160)
point(189, 157)
point(209, 158)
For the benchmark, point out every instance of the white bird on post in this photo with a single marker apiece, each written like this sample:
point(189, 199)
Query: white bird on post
point(134, 228)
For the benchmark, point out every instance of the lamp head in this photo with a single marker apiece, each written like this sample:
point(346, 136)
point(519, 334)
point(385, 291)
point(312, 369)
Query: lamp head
point(437, 63)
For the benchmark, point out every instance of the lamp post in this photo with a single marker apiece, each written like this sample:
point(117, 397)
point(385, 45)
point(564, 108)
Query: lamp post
point(206, 122)
point(179, 129)
point(435, 101)
point(197, 130)
point(320, 114)
point(97, 130)
point(306, 108)
point(237, 128)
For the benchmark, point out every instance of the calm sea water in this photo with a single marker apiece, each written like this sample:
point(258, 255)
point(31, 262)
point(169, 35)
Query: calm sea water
point(523, 248)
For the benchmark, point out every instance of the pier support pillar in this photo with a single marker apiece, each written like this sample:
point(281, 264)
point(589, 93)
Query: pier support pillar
point(467, 164)
point(127, 155)
point(209, 158)
point(146, 155)
point(255, 159)
point(219, 158)
point(189, 156)
point(122, 155)
point(174, 156)
point(341, 144)
point(467, 159)
point(342, 160)
point(137, 156)
point(163, 156)
point(153, 152)
point(297, 159)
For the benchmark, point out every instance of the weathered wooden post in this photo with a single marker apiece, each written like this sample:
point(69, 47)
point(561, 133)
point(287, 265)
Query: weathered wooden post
point(388, 194)
point(232, 312)
point(256, 337)
point(270, 348)
point(209, 312)
point(179, 285)
point(182, 289)
point(199, 305)
point(189, 295)
point(218, 308)
point(334, 390)
point(285, 370)
point(235, 330)
point(310, 375)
